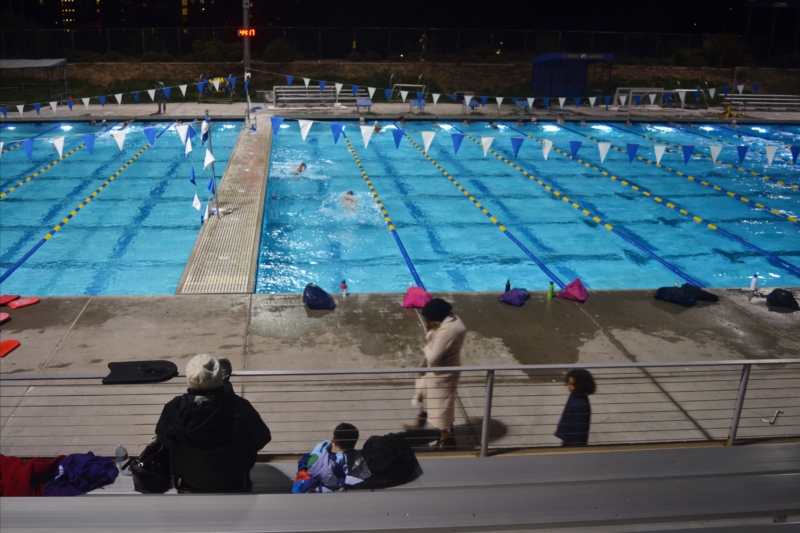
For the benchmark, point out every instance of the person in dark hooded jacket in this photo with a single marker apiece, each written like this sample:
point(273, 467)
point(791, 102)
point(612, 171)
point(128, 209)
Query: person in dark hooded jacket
point(210, 415)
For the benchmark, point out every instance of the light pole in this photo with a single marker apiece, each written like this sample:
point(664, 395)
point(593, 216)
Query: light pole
point(246, 23)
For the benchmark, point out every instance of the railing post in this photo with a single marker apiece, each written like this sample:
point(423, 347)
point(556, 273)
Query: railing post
point(487, 413)
point(737, 412)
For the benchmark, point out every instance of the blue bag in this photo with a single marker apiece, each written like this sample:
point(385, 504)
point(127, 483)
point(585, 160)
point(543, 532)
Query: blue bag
point(316, 298)
point(515, 297)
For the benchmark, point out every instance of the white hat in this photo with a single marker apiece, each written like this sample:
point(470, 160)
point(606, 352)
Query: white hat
point(203, 372)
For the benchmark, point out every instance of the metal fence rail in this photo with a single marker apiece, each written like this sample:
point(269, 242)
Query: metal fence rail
point(502, 407)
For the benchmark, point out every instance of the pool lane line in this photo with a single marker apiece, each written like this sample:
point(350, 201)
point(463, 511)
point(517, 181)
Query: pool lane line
point(386, 218)
point(17, 144)
point(588, 213)
point(731, 165)
point(75, 211)
point(42, 170)
point(777, 213)
point(671, 205)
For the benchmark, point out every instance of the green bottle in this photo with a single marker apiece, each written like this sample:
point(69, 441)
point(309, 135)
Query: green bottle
point(550, 291)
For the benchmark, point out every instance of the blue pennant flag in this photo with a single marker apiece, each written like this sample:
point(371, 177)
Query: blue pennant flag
point(246, 84)
point(4, 109)
point(212, 186)
point(190, 133)
point(166, 92)
point(516, 142)
point(666, 97)
point(457, 138)
point(102, 100)
point(420, 95)
point(574, 146)
point(136, 96)
point(37, 107)
point(398, 136)
point(514, 99)
point(632, 151)
point(88, 140)
point(697, 95)
point(742, 150)
point(336, 129)
point(725, 90)
point(687, 153)
point(191, 175)
point(756, 85)
point(28, 146)
point(231, 80)
point(637, 98)
point(388, 93)
point(577, 101)
point(795, 152)
point(69, 103)
point(289, 80)
point(547, 102)
point(452, 96)
point(276, 124)
point(483, 100)
point(322, 85)
point(607, 100)
point(151, 135)
point(355, 89)
point(199, 87)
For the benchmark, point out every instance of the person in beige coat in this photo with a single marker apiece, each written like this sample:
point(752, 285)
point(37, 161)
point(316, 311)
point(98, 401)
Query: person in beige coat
point(436, 391)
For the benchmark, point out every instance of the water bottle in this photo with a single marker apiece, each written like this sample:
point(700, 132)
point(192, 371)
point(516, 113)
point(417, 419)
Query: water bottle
point(508, 285)
point(550, 291)
point(122, 458)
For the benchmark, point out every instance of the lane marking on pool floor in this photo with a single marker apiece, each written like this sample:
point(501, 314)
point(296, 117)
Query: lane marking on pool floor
point(586, 212)
point(491, 217)
point(385, 214)
point(673, 206)
point(689, 177)
point(730, 165)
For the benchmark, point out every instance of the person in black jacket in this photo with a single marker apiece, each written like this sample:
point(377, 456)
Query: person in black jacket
point(573, 428)
point(210, 415)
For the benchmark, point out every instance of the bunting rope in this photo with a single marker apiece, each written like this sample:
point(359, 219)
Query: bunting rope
point(386, 218)
point(689, 177)
point(673, 206)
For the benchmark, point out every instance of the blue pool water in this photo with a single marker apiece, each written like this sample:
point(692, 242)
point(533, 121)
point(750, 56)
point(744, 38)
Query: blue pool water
point(309, 236)
point(133, 238)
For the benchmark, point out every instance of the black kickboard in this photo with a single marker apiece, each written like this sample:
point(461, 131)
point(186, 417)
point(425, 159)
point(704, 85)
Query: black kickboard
point(138, 372)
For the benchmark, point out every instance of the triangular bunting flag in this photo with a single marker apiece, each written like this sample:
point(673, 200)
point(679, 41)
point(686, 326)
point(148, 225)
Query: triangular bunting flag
point(102, 101)
point(37, 107)
point(1, 149)
point(530, 102)
point(85, 102)
point(632, 148)
point(687, 153)
point(192, 176)
point(28, 146)
point(740, 88)
point(742, 151)
point(306, 81)
point(726, 90)
point(152, 93)
point(118, 96)
point(209, 159)
point(795, 152)
point(592, 100)
point(388, 94)
point(546, 146)
point(355, 89)
point(136, 96)
point(574, 146)
point(58, 143)
point(336, 129)
point(516, 143)
point(457, 138)
point(420, 96)
point(603, 147)
point(499, 101)
point(371, 92)
point(190, 133)
point(666, 97)
point(276, 124)
point(20, 108)
point(206, 215)
point(436, 98)
point(167, 91)
point(88, 140)
point(339, 88)
point(196, 202)
point(182, 130)
point(697, 95)
point(200, 86)
point(53, 106)
point(398, 136)
point(547, 103)
point(652, 97)
point(712, 92)
point(403, 95)
point(715, 150)
point(205, 131)
point(561, 101)
point(289, 80)
point(577, 101)
point(183, 89)
point(69, 102)
point(622, 99)
point(770, 153)
point(637, 98)
point(607, 100)
point(119, 136)
point(756, 85)
point(484, 99)
point(151, 134)
point(427, 138)
point(212, 185)
point(305, 126)
point(659, 150)
point(215, 83)
point(486, 142)
point(366, 134)
point(467, 99)
point(188, 147)
point(4, 109)
point(682, 96)
point(322, 85)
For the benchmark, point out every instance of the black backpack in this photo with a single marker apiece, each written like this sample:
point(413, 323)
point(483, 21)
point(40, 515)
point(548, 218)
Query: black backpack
point(699, 294)
point(316, 298)
point(151, 471)
point(675, 295)
point(391, 461)
point(782, 298)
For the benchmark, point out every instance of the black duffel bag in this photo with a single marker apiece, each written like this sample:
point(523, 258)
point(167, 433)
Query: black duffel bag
point(699, 294)
point(151, 471)
point(675, 295)
point(782, 298)
point(391, 461)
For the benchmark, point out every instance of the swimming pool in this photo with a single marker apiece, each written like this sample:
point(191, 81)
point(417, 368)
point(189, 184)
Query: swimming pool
point(134, 237)
point(309, 235)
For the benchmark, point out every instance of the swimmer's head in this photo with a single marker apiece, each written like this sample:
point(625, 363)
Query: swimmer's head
point(350, 193)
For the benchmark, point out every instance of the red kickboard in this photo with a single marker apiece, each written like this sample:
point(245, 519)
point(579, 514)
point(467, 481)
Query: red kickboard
point(23, 302)
point(6, 347)
point(4, 317)
point(4, 299)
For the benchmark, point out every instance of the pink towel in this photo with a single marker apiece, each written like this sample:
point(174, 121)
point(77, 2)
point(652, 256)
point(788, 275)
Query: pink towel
point(416, 297)
point(574, 291)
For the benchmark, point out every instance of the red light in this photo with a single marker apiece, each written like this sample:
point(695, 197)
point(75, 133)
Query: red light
point(247, 32)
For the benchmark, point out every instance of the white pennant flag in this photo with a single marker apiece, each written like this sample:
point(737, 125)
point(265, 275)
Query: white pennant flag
point(561, 101)
point(546, 145)
point(530, 102)
point(1, 149)
point(196, 202)
point(652, 97)
point(603, 146)
point(338, 87)
point(712, 92)
point(622, 99)
point(592, 100)
point(371, 91)
point(366, 133)
point(436, 97)
point(499, 101)
point(215, 81)
point(771, 153)
point(427, 138)
point(403, 95)
point(209, 159)
point(85, 102)
point(740, 88)
point(305, 126)
point(20, 108)
point(188, 147)
point(119, 136)
point(306, 81)
point(183, 89)
point(53, 106)
point(682, 94)
point(152, 93)
point(118, 96)
point(659, 149)
point(715, 150)
point(467, 99)
point(207, 214)
point(58, 142)
point(182, 130)
point(486, 142)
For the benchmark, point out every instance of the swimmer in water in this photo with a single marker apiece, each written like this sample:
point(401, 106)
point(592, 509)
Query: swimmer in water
point(628, 122)
point(435, 124)
point(670, 123)
point(467, 122)
point(349, 201)
point(93, 122)
point(377, 127)
point(402, 120)
point(520, 121)
point(362, 122)
point(492, 125)
point(301, 167)
point(533, 121)
point(560, 120)
point(583, 122)
point(734, 125)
